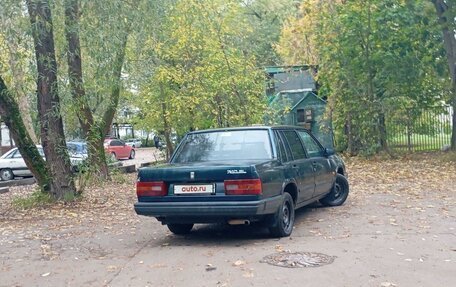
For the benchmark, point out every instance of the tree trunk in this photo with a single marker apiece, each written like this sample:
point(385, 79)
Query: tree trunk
point(9, 111)
point(52, 134)
point(382, 132)
point(92, 133)
point(166, 126)
point(97, 155)
point(449, 41)
point(115, 92)
point(349, 133)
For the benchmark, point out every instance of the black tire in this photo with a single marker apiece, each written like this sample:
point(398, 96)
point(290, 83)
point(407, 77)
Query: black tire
point(132, 154)
point(338, 194)
point(283, 221)
point(113, 156)
point(180, 229)
point(6, 174)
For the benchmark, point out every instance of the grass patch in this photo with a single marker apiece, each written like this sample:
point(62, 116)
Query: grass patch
point(37, 198)
point(419, 142)
point(118, 177)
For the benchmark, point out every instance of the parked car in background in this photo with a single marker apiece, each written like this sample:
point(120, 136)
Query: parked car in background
point(117, 149)
point(135, 143)
point(78, 154)
point(242, 175)
point(13, 165)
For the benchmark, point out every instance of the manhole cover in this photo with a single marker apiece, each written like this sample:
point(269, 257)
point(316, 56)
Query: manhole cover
point(298, 259)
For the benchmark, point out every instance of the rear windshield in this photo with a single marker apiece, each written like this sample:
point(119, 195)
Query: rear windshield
point(225, 145)
point(77, 148)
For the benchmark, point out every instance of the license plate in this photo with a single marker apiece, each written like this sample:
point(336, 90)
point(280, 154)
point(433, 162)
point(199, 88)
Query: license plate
point(194, 189)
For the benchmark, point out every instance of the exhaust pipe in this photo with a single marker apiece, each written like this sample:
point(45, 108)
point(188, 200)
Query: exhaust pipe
point(239, 222)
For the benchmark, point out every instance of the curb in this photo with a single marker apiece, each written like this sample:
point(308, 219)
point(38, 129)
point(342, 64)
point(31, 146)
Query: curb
point(127, 168)
point(24, 181)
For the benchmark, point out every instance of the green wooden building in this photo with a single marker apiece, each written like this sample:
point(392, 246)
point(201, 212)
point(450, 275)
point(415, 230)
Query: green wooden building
point(293, 100)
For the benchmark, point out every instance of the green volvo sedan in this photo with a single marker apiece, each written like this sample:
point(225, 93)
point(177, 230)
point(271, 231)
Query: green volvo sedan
point(242, 175)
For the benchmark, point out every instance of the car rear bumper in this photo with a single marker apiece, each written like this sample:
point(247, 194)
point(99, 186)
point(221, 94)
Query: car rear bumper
point(208, 211)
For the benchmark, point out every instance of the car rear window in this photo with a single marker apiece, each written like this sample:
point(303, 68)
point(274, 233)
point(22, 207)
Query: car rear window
point(77, 148)
point(225, 145)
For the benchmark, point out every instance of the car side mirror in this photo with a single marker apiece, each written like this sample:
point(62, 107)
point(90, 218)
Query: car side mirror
point(329, 151)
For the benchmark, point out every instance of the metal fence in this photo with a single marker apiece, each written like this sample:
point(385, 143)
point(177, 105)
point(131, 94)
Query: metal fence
point(424, 130)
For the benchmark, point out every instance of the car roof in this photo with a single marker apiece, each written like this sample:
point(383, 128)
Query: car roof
point(14, 149)
point(253, 127)
point(77, 143)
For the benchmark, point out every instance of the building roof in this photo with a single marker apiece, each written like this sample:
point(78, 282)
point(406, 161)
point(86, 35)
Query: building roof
point(285, 69)
point(293, 98)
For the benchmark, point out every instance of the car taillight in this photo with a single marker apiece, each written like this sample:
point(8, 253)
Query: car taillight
point(243, 187)
point(151, 188)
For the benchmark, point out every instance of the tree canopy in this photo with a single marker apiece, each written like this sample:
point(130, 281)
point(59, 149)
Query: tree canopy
point(183, 65)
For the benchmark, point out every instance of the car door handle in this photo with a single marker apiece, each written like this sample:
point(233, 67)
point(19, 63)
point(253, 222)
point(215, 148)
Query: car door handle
point(294, 166)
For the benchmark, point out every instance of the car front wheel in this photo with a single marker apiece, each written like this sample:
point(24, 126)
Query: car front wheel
point(180, 229)
point(132, 154)
point(338, 194)
point(283, 221)
point(6, 174)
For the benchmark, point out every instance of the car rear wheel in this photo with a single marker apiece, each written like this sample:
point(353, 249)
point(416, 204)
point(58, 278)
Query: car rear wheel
point(132, 154)
point(283, 221)
point(6, 174)
point(338, 194)
point(113, 156)
point(180, 229)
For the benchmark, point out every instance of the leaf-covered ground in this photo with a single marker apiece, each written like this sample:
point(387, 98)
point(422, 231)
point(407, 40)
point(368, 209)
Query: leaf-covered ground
point(416, 176)
point(103, 205)
point(400, 216)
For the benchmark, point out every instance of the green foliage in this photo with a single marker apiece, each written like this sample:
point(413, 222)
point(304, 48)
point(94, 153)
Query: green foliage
point(16, 61)
point(377, 59)
point(265, 19)
point(103, 26)
point(201, 78)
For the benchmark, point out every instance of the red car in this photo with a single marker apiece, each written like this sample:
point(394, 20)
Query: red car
point(118, 149)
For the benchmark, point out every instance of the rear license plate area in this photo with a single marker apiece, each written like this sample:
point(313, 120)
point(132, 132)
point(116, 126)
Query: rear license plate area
point(188, 189)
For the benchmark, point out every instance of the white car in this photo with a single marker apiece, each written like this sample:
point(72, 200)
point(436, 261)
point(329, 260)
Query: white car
point(135, 143)
point(13, 165)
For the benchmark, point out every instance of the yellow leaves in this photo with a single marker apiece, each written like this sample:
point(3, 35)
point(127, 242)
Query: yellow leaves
point(413, 178)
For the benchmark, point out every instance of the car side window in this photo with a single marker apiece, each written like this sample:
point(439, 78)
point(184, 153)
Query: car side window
point(281, 147)
point(41, 152)
point(10, 155)
point(294, 142)
point(312, 147)
point(114, 143)
point(17, 154)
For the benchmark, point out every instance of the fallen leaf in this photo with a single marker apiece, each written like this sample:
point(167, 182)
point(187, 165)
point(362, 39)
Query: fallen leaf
point(239, 263)
point(210, 267)
point(111, 268)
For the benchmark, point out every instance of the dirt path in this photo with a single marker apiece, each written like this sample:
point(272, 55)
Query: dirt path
point(398, 228)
